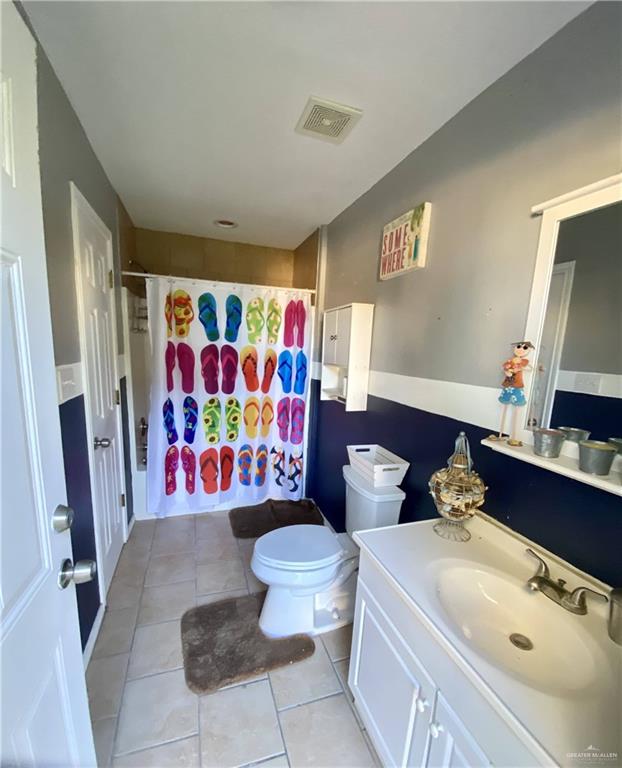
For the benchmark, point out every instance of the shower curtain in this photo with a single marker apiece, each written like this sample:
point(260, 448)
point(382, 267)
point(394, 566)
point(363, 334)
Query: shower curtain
point(228, 394)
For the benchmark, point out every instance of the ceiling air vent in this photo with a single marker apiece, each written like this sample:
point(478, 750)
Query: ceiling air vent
point(327, 120)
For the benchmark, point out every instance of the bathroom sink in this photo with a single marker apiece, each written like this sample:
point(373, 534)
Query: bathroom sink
point(521, 632)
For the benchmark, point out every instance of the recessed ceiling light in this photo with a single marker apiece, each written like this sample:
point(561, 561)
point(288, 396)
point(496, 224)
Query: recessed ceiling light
point(226, 223)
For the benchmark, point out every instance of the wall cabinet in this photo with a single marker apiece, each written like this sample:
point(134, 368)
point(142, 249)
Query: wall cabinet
point(346, 348)
point(417, 706)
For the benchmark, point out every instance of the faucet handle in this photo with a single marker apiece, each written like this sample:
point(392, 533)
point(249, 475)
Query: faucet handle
point(543, 568)
point(575, 601)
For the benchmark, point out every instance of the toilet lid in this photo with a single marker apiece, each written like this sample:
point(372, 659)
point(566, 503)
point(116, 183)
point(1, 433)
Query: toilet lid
point(299, 548)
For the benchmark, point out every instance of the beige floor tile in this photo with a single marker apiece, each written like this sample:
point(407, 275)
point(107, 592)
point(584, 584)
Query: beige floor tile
point(338, 642)
point(220, 576)
point(342, 668)
point(155, 710)
point(215, 548)
point(104, 681)
point(168, 569)
point(253, 583)
point(305, 680)
point(175, 525)
point(117, 630)
point(172, 542)
point(177, 754)
point(214, 597)
point(239, 726)
point(122, 595)
point(166, 602)
point(157, 648)
point(212, 525)
point(246, 547)
point(274, 762)
point(324, 733)
point(103, 736)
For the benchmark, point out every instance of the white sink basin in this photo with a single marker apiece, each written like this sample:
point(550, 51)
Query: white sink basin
point(488, 611)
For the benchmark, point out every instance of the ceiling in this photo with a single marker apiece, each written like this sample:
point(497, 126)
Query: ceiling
point(191, 107)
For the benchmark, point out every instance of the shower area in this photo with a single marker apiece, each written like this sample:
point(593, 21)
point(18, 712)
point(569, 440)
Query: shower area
point(218, 376)
point(138, 366)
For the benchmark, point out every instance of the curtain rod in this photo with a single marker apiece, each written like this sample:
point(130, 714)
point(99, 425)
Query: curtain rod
point(196, 280)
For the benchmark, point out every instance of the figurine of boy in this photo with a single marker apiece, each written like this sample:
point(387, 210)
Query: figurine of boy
point(512, 389)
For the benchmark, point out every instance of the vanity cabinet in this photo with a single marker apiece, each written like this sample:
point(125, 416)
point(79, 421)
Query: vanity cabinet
point(346, 348)
point(418, 706)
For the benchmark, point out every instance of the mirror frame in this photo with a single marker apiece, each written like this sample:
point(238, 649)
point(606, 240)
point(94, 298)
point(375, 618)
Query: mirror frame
point(598, 195)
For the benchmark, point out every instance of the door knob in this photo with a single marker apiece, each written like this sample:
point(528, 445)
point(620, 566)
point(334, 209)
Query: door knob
point(62, 519)
point(81, 572)
point(101, 442)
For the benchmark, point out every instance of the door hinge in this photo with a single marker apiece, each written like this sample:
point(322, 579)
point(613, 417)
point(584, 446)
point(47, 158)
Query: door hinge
point(110, 279)
point(117, 397)
point(122, 499)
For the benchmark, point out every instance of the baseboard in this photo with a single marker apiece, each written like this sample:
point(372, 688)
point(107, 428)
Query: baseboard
point(90, 643)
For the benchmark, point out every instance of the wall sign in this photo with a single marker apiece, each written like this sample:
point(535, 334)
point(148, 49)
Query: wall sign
point(405, 242)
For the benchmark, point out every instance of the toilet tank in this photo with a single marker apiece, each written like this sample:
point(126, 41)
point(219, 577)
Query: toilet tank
point(370, 507)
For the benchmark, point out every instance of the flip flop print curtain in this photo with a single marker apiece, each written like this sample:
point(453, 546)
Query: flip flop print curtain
point(228, 394)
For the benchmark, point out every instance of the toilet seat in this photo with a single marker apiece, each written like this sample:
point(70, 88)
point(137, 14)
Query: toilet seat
point(299, 548)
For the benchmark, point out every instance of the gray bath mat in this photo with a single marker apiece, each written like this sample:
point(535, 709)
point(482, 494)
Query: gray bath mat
point(252, 522)
point(222, 644)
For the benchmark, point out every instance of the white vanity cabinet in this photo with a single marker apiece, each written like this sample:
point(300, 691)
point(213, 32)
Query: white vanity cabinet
point(418, 706)
point(346, 348)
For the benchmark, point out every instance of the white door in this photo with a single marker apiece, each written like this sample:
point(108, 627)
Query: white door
point(92, 244)
point(396, 715)
point(44, 709)
point(450, 744)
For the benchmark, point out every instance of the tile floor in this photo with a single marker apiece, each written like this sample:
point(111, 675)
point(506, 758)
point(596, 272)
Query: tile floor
point(144, 715)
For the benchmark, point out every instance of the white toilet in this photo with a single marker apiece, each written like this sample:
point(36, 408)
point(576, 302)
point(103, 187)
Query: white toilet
point(311, 572)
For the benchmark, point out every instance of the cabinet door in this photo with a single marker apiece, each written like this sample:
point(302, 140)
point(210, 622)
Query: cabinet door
point(450, 745)
point(342, 349)
point(329, 352)
point(392, 691)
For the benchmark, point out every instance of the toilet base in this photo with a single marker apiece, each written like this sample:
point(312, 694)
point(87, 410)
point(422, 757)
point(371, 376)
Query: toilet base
point(288, 612)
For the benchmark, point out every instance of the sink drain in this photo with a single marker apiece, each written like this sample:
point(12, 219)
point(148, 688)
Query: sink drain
point(521, 641)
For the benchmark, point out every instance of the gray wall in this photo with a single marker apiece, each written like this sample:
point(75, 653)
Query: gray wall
point(548, 126)
point(593, 340)
point(66, 155)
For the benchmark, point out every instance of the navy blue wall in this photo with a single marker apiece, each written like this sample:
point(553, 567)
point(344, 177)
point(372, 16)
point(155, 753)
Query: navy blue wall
point(602, 415)
point(579, 523)
point(75, 456)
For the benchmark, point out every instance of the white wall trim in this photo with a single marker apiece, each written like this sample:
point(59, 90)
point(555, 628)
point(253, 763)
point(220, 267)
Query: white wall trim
point(94, 634)
point(69, 381)
point(603, 384)
point(121, 365)
point(471, 403)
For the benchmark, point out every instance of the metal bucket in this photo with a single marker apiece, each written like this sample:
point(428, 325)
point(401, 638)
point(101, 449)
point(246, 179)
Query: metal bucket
point(548, 442)
point(596, 457)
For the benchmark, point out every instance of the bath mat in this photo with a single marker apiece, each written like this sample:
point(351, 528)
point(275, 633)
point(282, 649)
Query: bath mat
point(252, 522)
point(222, 644)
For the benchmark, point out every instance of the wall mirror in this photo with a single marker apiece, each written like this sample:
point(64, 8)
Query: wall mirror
point(575, 315)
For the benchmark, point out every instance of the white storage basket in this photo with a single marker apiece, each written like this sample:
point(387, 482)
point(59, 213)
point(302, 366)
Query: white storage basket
point(377, 465)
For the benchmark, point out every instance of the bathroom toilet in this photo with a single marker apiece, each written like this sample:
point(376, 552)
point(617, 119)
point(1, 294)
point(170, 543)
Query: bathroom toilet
point(311, 572)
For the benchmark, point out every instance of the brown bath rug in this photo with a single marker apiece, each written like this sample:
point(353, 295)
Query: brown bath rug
point(252, 522)
point(222, 644)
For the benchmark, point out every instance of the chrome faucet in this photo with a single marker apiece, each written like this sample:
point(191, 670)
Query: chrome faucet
point(574, 601)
